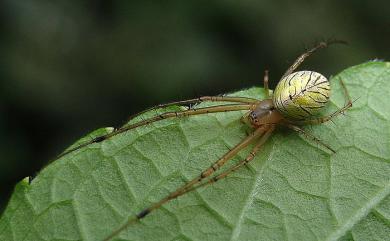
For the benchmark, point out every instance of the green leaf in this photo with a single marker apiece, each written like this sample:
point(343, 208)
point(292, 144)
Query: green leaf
point(293, 190)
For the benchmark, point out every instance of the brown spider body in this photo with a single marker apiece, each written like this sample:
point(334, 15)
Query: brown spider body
point(297, 96)
point(264, 113)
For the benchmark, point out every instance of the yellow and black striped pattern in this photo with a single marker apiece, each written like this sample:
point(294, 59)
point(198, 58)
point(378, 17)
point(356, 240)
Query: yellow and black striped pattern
point(301, 94)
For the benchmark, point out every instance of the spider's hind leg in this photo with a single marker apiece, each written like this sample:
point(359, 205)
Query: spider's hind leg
point(302, 57)
point(346, 93)
point(310, 136)
point(323, 119)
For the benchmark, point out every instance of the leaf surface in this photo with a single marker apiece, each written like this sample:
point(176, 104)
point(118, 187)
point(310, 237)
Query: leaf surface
point(293, 190)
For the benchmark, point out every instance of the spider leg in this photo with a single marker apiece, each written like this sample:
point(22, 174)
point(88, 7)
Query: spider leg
point(243, 162)
point(183, 189)
point(266, 88)
point(163, 116)
point(346, 93)
point(242, 100)
point(309, 136)
point(334, 114)
point(302, 57)
point(322, 119)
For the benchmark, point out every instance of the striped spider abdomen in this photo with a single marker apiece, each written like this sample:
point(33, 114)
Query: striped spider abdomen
point(301, 94)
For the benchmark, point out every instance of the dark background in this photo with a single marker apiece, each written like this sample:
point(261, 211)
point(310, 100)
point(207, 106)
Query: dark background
point(69, 67)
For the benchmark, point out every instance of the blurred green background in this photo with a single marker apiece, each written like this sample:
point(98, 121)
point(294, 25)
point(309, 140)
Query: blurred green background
point(69, 67)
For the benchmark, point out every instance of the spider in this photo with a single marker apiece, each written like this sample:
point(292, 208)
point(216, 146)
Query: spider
point(297, 98)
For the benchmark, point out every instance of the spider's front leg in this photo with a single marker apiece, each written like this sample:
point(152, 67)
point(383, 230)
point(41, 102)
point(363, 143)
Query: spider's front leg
point(243, 162)
point(183, 189)
point(232, 99)
point(160, 117)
